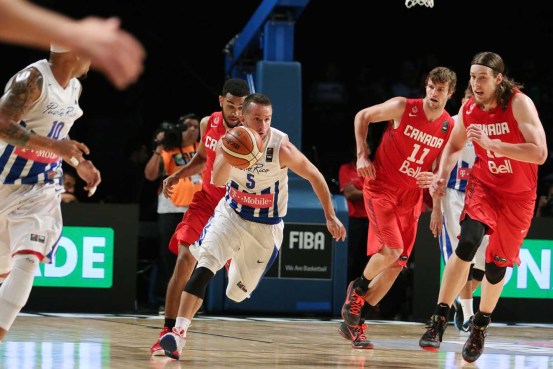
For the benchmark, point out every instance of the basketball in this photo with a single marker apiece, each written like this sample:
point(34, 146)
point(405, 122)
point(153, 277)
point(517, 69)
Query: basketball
point(242, 147)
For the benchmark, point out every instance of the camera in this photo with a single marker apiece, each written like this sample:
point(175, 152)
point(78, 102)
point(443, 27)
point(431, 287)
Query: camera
point(172, 135)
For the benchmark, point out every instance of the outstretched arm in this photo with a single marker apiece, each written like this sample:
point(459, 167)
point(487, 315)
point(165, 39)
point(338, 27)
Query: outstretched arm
point(112, 51)
point(294, 159)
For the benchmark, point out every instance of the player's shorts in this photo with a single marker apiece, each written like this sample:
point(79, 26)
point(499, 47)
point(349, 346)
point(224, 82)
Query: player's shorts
point(508, 217)
point(193, 221)
point(252, 247)
point(30, 221)
point(452, 206)
point(393, 217)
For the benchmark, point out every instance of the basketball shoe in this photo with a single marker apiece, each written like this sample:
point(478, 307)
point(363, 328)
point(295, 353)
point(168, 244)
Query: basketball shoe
point(156, 349)
point(172, 343)
point(458, 318)
point(435, 329)
point(351, 310)
point(474, 347)
point(356, 335)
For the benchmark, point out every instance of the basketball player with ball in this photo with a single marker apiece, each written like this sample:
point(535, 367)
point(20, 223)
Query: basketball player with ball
point(212, 128)
point(247, 225)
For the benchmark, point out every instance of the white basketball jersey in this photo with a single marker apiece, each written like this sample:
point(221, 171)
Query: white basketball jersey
point(260, 193)
point(52, 115)
point(460, 173)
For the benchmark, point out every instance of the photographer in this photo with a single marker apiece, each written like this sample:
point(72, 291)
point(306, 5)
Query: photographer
point(174, 146)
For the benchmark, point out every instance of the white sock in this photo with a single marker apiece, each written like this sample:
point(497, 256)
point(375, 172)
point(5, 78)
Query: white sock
point(183, 323)
point(467, 308)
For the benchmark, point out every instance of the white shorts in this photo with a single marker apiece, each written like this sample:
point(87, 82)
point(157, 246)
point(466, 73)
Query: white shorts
point(252, 247)
point(30, 220)
point(452, 206)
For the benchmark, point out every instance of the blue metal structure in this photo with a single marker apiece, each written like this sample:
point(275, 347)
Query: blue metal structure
point(263, 55)
point(268, 36)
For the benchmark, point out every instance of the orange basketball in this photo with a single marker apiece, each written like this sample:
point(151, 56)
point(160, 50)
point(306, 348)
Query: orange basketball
point(242, 147)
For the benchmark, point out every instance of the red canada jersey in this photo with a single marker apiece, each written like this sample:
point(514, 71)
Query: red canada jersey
point(214, 131)
point(413, 146)
point(493, 170)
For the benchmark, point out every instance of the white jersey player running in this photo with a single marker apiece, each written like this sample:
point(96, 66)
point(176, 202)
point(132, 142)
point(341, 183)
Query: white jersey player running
point(41, 102)
point(247, 224)
point(452, 206)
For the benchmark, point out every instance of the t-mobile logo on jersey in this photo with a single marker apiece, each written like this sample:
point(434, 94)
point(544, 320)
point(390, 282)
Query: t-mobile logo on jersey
point(500, 168)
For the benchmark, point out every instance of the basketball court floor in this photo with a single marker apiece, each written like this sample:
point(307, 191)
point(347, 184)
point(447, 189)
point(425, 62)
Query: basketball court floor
point(52, 341)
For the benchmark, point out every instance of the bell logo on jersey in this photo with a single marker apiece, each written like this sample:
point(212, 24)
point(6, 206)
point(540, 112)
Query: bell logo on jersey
point(501, 168)
point(406, 169)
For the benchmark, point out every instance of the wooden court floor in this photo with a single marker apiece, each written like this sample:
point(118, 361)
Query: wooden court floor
point(52, 341)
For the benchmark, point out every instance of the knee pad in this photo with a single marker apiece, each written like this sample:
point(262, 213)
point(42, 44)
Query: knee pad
point(477, 275)
point(16, 289)
point(472, 233)
point(198, 282)
point(470, 276)
point(494, 273)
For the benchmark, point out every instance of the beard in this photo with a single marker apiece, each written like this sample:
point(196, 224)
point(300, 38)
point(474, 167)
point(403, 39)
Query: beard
point(231, 125)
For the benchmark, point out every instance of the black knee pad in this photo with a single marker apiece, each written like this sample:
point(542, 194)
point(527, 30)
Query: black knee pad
point(477, 275)
point(472, 233)
point(494, 273)
point(198, 282)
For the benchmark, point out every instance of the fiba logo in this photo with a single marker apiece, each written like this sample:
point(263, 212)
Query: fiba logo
point(305, 240)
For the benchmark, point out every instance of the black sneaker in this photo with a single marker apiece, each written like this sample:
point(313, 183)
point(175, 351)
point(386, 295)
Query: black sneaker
point(474, 347)
point(435, 329)
point(458, 318)
point(356, 335)
point(351, 310)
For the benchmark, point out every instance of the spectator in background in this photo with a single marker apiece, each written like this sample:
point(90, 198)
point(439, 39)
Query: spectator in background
point(175, 147)
point(69, 181)
point(545, 204)
point(351, 185)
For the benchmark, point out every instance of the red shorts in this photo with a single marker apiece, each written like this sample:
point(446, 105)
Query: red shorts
point(393, 217)
point(190, 228)
point(508, 217)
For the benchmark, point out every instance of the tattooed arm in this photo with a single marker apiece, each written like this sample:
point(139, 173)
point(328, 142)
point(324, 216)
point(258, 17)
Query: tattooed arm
point(25, 89)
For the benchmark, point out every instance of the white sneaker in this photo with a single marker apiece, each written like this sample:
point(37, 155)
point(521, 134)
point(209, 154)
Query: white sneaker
point(173, 343)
